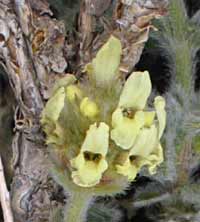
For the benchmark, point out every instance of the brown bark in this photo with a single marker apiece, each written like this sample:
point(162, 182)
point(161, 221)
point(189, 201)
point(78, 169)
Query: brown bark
point(30, 187)
point(33, 51)
point(5, 197)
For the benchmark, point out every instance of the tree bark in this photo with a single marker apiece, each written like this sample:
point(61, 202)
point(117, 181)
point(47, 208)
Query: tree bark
point(5, 196)
point(31, 200)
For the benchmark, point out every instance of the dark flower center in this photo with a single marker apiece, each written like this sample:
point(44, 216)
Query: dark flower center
point(89, 156)
point(133, 158)
point(129, 113)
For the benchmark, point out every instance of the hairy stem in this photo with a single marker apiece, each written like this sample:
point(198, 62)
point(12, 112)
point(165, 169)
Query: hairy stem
point(154, 200)
point(77, 207)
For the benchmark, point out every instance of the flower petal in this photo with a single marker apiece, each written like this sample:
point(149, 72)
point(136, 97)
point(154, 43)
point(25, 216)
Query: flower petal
point(155, 159)
point(96, 140)
point(104, 67)
point(149, 118)
point(128, 169)
point(136, 91)
point(159, 104)
point(88, 108)
point(145, 142)
point(125, 129)
point(54, 106)
point(89, 174)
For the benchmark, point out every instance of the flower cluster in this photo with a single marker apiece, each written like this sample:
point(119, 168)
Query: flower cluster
point(103, 125)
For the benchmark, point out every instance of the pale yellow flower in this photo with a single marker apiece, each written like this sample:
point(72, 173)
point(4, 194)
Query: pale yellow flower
point(90, 163)
point(128, 118)
point(146, 151)
point(125, 128)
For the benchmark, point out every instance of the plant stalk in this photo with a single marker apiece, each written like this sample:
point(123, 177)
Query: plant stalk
point(77, 207)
